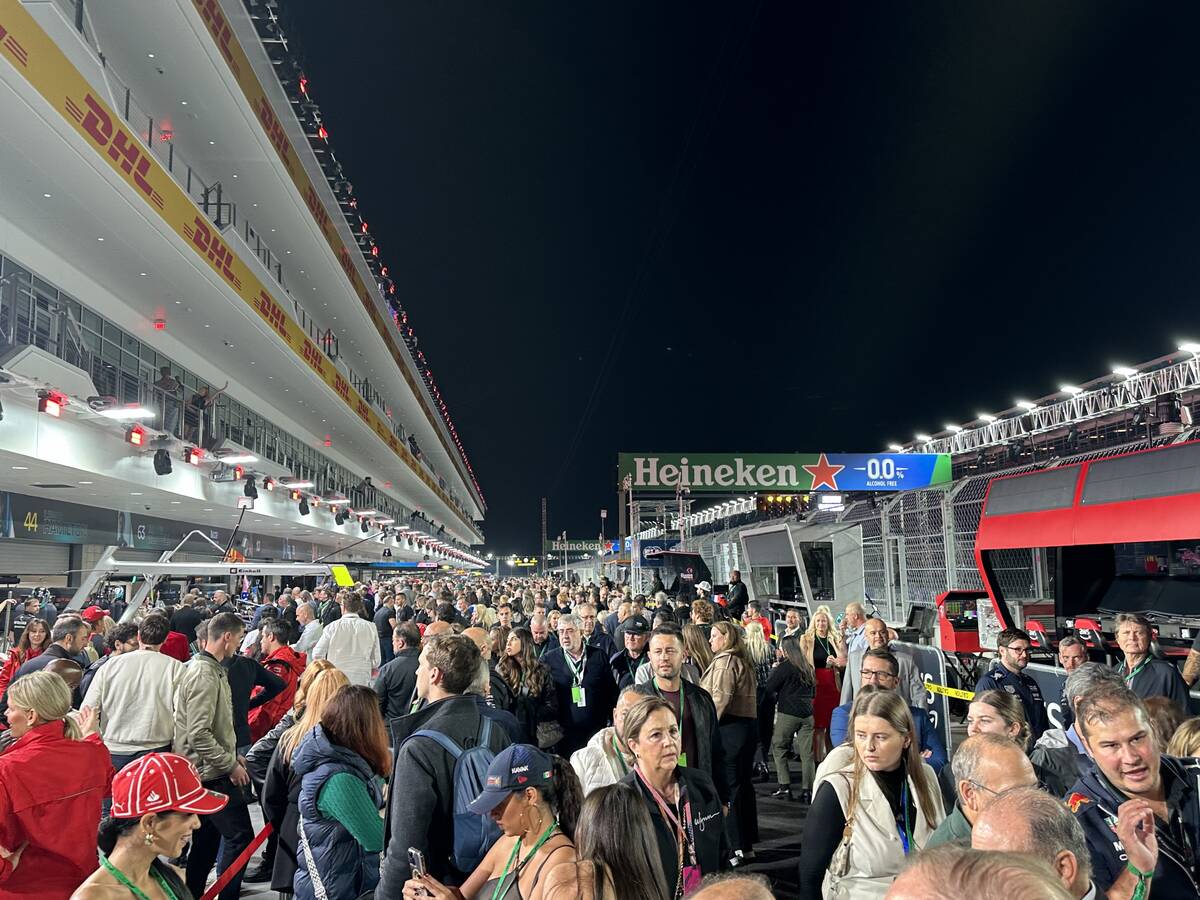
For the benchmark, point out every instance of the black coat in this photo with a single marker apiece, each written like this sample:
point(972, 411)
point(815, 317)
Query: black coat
point(280, 803)
point(599, 693)
point(706, 825)
point(793, 695)
point(185, 619)
point(421, 803)
point(396, 682)
point(245, 674)
point(736, 596)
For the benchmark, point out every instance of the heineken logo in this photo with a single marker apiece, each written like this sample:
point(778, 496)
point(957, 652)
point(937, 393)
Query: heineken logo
point(787, 472)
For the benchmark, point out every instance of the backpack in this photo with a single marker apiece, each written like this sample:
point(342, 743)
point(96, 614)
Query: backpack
point(473, 834)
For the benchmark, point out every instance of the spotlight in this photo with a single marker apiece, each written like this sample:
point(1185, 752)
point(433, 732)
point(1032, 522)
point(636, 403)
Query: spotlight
point(303, 506)
point(191, 455)
point(51, 403)
point(269, 483)
point(295, 495)
point(136, 435)
point(162, 462)
point(250, 490)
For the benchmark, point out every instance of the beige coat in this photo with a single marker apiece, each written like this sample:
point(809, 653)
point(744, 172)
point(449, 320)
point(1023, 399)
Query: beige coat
point(732, 685)
point(876, 853)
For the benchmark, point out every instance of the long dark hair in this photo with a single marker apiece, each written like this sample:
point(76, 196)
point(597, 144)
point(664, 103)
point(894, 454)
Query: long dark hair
point(352, 720)
point(23, 644)
point(615, 835)
point(564, 796)
point(512, 668)
point(794, 654)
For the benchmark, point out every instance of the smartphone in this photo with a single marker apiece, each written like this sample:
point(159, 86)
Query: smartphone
point(416, 862)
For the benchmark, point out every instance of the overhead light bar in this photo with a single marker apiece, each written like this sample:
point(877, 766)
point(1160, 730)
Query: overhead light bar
point(295, 485)
point(127, 413)
point(384, 521)
point(923, 438)
point(1070, 389)
point(1124, 371)
point(238, 458)
point(1190, 347)
point(986, 417)
point(1026, 405)
point(954, 428)
point(896, 448)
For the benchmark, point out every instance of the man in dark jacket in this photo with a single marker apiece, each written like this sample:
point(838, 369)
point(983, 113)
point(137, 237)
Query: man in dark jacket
point(635, 632)
point(1139, 809)
point(245, 673)
point(736, 596)
point(397, 680)
point(700, 738)
point(186, 618)
point(421, 812)
point(584, 684)
point(1008, 675)
point(1146, 675)
point(329, 610)
point(385, 621)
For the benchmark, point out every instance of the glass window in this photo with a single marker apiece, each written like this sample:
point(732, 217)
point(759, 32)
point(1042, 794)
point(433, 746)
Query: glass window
point(91, 321)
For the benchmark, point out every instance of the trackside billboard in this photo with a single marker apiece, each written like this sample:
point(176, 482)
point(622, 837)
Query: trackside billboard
point(788, 472)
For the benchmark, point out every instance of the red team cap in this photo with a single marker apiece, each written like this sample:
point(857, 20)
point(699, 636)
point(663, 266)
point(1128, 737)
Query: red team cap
point(162, 782)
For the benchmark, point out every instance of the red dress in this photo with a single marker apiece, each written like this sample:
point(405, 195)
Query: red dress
point(827, 695)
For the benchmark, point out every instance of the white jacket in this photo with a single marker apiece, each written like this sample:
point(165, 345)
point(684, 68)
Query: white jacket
point(598, 764)
point(352, 644)
point(876, 853)
point(134, 697)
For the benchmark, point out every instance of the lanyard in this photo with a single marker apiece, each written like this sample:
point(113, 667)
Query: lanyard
point(658, 690)
point(620, 757)
point(902, 824)
point(826, 644)
point(500, 890)
point(539, 649)
point(134, 889)
point(576, 671)
point(1129, 678)
point(682, 835)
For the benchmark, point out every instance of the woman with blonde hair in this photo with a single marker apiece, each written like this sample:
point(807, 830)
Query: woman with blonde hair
point(696, 649)
point(281, 788)
point(730, 680)
point(998, 712)
point(761, 656)
point(1186, 739)
point(883, 792)
point(822, 644)
point(53, 777)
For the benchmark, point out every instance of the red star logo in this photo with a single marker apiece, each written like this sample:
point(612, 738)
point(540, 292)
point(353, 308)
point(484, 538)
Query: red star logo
point(823, 473)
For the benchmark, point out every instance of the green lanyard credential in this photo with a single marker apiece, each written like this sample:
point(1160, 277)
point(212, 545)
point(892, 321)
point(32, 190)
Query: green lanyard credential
point(500, 890)
point(134, 889)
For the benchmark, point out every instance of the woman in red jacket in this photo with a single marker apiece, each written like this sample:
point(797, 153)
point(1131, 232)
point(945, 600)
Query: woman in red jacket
point(52, 780)
point(34, 640)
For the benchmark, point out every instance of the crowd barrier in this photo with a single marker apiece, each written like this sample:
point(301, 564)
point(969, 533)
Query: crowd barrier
point(238, 864)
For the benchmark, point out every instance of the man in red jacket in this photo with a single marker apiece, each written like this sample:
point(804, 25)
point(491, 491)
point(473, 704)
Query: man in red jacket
point(281, 660)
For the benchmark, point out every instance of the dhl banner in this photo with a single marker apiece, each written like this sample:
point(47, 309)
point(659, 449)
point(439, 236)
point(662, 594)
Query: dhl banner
point(239, 65)
point(37, 59)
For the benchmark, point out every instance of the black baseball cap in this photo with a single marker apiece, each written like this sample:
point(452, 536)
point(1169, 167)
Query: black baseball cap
point(514, 769)
point(636, 625)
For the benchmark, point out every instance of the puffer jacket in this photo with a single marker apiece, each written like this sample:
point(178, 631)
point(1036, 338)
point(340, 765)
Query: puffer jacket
point(732, 685)
point(288, 665)
point(204, 718)
point(600, 763)
point(345, 869)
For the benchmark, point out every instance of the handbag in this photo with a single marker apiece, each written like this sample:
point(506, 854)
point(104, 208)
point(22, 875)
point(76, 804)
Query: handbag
point(311, 865)
point(839, 863)
point(549, 734)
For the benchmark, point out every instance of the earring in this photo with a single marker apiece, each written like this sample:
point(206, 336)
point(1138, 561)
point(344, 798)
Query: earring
point(149, 839)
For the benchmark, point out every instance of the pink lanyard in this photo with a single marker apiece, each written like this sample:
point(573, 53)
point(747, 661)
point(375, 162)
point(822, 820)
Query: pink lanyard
point(682, 834)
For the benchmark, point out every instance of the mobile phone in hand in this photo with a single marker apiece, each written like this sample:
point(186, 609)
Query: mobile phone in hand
point(416, 862)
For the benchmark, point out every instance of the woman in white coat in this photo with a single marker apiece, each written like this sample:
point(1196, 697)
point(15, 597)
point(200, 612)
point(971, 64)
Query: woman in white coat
point(351, 643)
point(877, 808)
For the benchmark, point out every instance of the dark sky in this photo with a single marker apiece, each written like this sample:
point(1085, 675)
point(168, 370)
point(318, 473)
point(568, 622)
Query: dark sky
point(760, 226)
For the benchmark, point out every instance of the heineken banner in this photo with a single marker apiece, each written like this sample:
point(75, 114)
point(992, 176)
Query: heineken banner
point(790, 472)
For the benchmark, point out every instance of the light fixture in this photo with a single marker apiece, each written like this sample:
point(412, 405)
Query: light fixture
point(1026, 405)
point(1070, 389)
point(954, 428)
point(1124, 371)
point(295, 495)
point(192, 455)
point(126, 413)
point(896, 448)
point(235, 458)
point(296, 484)
point(384, 521)
point(986, 417)
point(1190, 347)
point(268, 483)
point(136, 435)
point(162, 461)
point(923, 438)
point(51, 403)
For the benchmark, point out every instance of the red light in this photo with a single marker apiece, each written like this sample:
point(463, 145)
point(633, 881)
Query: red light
point(136, 435)
point(160, 324)
point(269, 484)
point(238, 472)
point(322, 133)
point(192, 455)
point(364, 227)
point(304, 85)
point(374, 250)
point(383, 271)
point(328, 441)
point(51, 403)
point(295, 495)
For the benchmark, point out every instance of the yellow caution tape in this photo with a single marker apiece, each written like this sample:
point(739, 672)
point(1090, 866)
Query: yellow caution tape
point(949, 691)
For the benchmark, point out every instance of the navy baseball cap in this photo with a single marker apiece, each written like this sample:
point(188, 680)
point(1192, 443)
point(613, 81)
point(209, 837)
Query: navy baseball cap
point(636, 625)
point(514, 769)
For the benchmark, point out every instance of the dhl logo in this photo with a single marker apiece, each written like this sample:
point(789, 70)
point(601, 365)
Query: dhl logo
point(313, 356)
point(210, 245)
point(120, 145)
point(313, 202)
point(341, 386)
point(218, 27)
point(274, 315)
point(13, 46)
point(275, 134)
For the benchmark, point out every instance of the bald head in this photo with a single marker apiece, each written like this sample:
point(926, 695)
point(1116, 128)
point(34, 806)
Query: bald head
point(480, 639)
point(1029, 820)
point(68, 670)
point(735, 887)
point(986, 765)
point(433, 629)
point(951, 872)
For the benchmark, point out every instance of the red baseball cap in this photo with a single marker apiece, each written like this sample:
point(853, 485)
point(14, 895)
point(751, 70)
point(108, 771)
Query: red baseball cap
point(92, 614)
point(162, 782)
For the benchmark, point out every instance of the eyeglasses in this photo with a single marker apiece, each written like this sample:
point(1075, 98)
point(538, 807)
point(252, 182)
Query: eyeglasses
point(984, 787)
point(874, 674)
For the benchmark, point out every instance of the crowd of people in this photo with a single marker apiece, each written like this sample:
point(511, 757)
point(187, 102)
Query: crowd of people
point(525, 738)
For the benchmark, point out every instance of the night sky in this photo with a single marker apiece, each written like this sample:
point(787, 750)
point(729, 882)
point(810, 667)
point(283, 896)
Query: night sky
point(760, 226)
